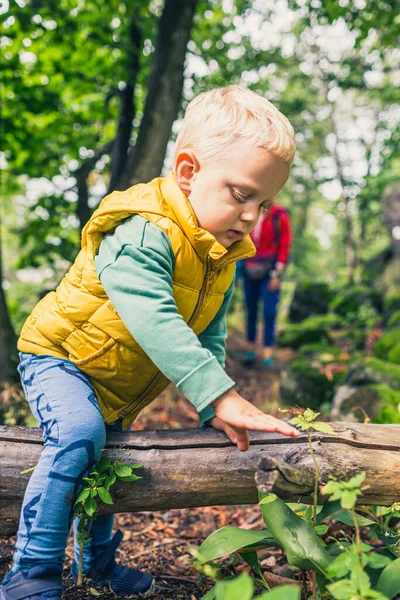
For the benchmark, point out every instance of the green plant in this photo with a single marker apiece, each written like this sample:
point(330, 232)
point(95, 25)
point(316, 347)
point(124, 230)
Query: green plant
point(96, 490)
point(343, 569)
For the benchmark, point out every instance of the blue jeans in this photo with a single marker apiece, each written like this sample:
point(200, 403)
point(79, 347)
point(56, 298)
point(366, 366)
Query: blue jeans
point(253, 291)
point(63, 402)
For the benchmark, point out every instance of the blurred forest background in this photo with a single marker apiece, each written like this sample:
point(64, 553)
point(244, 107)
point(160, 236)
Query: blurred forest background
point(93, 95)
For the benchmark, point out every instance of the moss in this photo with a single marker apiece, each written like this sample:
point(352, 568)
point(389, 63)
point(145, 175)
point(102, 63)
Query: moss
point(386, 343)
point(384, 367)
point(304, 385)
point(349, 301)
point(388, 410)
point(310, 298)
point(391, 306)
point(319, 350)
point(315, 329)
point(394, 320)
point(375, 371)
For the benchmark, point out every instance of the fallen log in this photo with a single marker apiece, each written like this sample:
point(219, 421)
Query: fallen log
point(200, 467)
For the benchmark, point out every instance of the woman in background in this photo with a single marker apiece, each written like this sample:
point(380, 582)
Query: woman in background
point(262, 279)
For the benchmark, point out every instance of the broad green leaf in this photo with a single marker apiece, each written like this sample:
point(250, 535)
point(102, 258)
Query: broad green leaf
point(303, 547)
point(285, 592)
point(378, 561)
point(211, 594)
point(345, 516)
point(136, 466)
point(109, 480)
point(343, 590)
point(123, 471)
point(241, 588)
point(129, 477)
point(389, 580)
point(232, 539)
point(103, 464)
point(251, 559)
point(321, 529)
point(90, 506)
point(105, 495)
point(83, 495)
point(323, 427)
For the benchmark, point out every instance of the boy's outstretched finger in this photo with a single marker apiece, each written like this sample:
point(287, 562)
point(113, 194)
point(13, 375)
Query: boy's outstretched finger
point(242, 440)
point(267, 423)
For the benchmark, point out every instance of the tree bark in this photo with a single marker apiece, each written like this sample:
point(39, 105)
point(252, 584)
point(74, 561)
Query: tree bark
point(127, 110)
point(146, 159)
point(201, 467)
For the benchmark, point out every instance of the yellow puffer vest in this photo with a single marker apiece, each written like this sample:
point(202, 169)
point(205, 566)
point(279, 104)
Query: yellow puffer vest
point(78, 321)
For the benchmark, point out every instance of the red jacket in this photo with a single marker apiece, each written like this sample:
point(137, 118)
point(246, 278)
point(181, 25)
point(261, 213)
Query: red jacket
point(272, 236)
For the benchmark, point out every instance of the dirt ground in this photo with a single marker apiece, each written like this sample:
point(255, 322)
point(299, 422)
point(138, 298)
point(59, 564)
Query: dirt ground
point(159, 542)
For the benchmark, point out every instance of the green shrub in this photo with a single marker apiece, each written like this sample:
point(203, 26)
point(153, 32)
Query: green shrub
point(349, 301)
point(304, 385)
point(388, 410)
point(310, 298)
point(312, 330)
point(391, 306)
point(386, 344)
point(394, 320)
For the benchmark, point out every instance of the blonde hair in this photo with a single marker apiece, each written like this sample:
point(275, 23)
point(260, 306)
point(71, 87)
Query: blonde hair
point(216, 119)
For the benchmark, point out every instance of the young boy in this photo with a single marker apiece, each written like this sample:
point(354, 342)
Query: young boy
point(144, 304)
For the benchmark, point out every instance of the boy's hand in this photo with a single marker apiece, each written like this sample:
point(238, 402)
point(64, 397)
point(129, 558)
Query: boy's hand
point(236, 416)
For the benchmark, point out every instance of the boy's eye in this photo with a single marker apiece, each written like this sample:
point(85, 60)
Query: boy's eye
point(238, 196)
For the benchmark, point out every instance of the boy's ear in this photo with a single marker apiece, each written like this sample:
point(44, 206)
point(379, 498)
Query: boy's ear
point(186, 168)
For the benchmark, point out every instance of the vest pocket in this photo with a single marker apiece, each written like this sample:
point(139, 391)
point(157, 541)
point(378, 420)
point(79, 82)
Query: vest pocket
point(81, 351)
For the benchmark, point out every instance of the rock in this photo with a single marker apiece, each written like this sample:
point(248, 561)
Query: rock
point(379, 403)
point(310, 298)
point(312, 330)
point(371, 387)
point(348, 302)
point(302, 384)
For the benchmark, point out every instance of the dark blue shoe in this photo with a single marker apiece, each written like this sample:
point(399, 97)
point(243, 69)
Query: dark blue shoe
point(121, 580)
point(39, 583)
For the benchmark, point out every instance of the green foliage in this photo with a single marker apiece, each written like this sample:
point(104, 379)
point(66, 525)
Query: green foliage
point(310, 298)
point(315, 329)
point(306, 421)
point(345, 491)
point(385, 347)
point(391, 306)
point(388, 410)
point(394, 320)
point(96, 490)
point(349, 301)
point(304, 385)
point(242, 588)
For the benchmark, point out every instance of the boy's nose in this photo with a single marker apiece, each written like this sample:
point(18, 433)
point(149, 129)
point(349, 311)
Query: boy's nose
point(249, 215)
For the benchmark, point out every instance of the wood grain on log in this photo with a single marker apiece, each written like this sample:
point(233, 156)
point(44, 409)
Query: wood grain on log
point(193, 467)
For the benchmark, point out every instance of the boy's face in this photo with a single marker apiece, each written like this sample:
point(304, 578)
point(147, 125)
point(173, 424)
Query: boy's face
point(229, 195)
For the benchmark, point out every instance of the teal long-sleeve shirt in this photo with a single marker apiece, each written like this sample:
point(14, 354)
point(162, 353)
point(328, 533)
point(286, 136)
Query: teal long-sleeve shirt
point(135, 265)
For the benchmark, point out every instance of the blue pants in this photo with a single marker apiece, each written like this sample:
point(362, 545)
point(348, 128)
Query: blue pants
point(63, 402)
point(253, 291)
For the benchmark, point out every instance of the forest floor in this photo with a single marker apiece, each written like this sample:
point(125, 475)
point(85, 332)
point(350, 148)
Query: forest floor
point(159, 542)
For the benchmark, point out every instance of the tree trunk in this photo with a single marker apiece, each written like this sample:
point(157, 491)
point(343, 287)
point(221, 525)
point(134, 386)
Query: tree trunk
point(8, 340)
point(127, 110)
point(201, 467)
point(146, 159)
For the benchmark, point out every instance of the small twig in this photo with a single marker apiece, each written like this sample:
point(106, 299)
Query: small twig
point(174, 578)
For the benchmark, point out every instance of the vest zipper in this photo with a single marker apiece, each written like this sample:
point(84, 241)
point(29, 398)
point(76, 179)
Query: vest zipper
point(154, 382)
